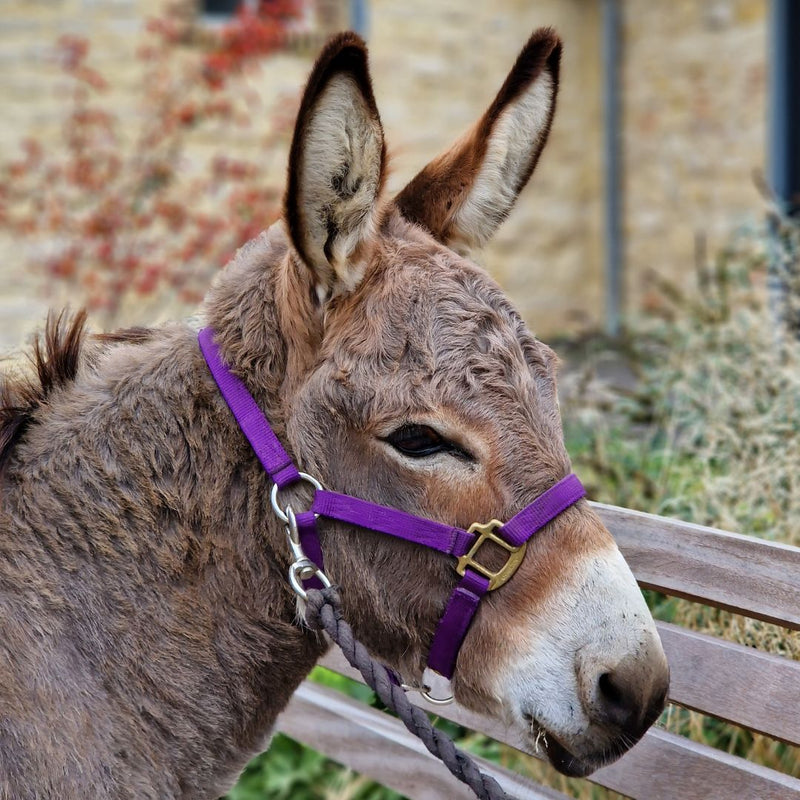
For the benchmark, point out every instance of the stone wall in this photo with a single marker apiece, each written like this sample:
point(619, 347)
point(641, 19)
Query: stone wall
point(693, 76)
point(437, 70)
point(35, 95)
point(694, 131)
point(32, 100)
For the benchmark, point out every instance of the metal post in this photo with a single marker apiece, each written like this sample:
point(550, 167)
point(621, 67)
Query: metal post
point(784, 106)
point(359, 18)
point(613, 244)
point(784, 159)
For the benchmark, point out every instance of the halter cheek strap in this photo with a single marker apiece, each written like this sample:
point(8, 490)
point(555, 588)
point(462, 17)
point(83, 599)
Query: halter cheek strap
point(477, 580)
point(465, 546)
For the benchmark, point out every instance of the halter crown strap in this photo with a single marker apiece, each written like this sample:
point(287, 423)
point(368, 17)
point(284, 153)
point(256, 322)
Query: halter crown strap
point(476, 580)
point(275, 460)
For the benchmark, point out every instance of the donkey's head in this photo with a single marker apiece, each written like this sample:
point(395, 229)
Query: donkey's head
point(412, 382)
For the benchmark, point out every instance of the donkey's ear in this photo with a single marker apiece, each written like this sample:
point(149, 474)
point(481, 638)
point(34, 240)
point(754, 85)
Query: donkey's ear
point(464, 194)
point(336, 167)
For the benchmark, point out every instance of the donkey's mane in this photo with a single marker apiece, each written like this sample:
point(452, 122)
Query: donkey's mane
point(55, 358)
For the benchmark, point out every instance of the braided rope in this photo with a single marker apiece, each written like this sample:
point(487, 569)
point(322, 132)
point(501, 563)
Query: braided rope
point(323, 610)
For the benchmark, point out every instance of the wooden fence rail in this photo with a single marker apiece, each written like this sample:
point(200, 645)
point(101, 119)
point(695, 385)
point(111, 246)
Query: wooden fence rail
point(755, 690)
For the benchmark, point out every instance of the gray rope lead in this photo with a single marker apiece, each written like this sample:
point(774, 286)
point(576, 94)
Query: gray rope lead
point(324, 610)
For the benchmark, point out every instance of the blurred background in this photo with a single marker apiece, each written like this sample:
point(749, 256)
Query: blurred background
point(657, 245)
point(657, 155)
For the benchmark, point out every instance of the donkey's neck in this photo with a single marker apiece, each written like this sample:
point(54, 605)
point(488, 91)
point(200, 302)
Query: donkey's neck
point(164, 573)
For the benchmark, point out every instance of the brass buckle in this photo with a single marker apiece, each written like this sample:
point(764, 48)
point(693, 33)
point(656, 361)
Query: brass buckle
point(487, 532)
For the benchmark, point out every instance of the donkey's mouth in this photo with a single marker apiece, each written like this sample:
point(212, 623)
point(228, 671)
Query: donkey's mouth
point(564, 761)
point(574, 766)
point(557, 754)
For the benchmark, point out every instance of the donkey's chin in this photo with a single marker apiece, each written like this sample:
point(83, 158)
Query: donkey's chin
point(581, 757)
point(567, 762)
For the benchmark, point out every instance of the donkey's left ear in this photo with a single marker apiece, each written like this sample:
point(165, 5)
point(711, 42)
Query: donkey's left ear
point(336, 167)
point(464, 194)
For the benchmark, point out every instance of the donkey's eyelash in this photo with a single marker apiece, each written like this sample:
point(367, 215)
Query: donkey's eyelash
point(419, 441)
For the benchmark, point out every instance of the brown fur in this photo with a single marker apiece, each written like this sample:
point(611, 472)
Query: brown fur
point(435, 195)
point(127, 335)
point(148, 634)
point(343, 56)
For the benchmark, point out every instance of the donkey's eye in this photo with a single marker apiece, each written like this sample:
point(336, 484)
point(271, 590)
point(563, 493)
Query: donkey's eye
point(420, 440)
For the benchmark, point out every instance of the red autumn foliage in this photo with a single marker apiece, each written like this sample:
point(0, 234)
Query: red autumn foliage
point(121, 211)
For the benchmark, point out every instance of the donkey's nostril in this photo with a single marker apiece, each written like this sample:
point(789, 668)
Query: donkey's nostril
point(608, 689)
point(618, 700)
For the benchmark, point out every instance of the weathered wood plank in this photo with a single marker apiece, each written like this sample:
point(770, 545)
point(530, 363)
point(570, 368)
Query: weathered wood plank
point(661, 767)
point(379, 746)
point(735, 683)
point(667, 767)
point(740, 573)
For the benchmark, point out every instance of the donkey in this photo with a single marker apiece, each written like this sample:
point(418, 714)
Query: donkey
point(148, 634)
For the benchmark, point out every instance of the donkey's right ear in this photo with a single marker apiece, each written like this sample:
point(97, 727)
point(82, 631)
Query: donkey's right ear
point(336, 168)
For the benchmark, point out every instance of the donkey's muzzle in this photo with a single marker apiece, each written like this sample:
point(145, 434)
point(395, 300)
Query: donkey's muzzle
point(625, 698)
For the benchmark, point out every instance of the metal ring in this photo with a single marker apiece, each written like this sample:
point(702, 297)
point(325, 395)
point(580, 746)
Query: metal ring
point(433, 681)
point(423, 691)
point(434, 701)
point(301, 571)
point(273, 497)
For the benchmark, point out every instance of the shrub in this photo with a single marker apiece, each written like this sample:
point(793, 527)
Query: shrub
point(121, 215)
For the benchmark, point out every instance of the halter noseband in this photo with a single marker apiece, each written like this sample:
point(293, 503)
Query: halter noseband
point(476, 579)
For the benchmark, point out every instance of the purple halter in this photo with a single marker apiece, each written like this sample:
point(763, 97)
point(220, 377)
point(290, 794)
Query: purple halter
point(476, 579)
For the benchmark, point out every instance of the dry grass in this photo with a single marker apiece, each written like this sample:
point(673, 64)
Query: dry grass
point(710, 431)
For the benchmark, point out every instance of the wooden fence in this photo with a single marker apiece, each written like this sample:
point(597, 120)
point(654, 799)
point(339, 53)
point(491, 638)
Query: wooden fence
point(755, 690)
